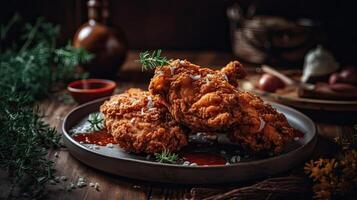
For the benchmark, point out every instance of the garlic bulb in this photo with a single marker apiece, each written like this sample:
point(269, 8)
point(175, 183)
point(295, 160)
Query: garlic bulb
point(318, 62)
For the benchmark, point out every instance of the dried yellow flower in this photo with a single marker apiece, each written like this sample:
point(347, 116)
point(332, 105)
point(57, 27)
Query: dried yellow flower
point(333, 176)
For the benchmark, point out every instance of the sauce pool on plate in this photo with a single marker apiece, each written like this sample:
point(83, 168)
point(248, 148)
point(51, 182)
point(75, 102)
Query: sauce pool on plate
point(101, 138)
point(201, 158)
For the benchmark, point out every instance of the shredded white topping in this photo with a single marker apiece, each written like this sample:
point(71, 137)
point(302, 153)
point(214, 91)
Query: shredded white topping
point(142, 111)
point(132, 120)
point(172, 69)
point(182, 62)
point(210, 75)
point(196, 77)
point(207, 80)
point(225, 77)
point(150, 103)
point(262, 124)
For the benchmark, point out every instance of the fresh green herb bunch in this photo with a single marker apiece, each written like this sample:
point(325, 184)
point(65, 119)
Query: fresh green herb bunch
point(28, 70)
point(24, 140)
point(166, 157)
point(150, 61)
point(35, 64)
point(96, 121)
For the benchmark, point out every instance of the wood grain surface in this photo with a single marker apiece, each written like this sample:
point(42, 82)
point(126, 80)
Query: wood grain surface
point(120, 188)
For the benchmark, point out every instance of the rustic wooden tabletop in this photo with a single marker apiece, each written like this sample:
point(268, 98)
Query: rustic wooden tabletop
point(114, 187)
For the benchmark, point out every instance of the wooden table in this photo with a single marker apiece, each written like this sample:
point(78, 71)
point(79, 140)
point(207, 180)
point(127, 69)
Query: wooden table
point(114, 187)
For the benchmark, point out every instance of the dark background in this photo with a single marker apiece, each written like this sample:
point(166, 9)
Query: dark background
point(192, 24)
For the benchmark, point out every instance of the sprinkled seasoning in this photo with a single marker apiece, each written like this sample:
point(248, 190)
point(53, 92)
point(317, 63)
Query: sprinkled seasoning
point(96, 186)
point(209, 75)
point(196, 77)
point(81, 182)
point(207, 80)
point(57, 179)
point(133, 119)
point(172, 69)
point(235, 159)
point(72, 186)
point(186, 163)
point(63, 178)
point(200, 134)
point(225, 77)
point(150, 103)
point(101, 138)
point(262, 124)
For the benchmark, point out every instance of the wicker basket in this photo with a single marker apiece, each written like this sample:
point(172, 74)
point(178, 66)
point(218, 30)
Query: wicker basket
point(271, 39)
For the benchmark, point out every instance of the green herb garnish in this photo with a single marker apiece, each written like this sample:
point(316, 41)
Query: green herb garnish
point(150, 61)
point(96, 121)
point(166, 157)
point(29, 68)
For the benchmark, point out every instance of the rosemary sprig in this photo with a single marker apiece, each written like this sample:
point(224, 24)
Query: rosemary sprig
point(166, 157)
point(29, 69)
point(150, 61)
point(96, 122)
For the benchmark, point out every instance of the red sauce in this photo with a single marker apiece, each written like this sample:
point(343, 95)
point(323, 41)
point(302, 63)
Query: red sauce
point(204, 158)
point(101, 138)
point(298, 133)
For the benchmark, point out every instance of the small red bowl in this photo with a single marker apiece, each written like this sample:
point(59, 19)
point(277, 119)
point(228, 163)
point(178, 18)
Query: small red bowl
point(89, 89)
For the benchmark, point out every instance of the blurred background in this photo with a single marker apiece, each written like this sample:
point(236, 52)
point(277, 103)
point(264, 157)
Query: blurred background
point(203, 25)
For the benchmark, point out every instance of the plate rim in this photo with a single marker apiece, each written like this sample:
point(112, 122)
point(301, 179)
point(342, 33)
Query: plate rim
point(255, 162)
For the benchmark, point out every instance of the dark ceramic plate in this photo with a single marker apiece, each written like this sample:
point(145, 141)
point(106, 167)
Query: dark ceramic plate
point(116, 161)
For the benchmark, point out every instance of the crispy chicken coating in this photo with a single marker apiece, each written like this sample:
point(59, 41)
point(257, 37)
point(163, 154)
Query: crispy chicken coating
point(140, 123)
point(207, 100)
point(266, 130)
point(199, 98)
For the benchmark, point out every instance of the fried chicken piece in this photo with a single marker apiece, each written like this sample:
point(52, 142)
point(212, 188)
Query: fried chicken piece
point(140, 123)
point(208, 100)
point(199, 98)
point(271, 132)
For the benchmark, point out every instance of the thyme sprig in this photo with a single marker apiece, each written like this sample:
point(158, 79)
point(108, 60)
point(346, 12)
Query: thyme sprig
point(166, 157)
point(150, 61)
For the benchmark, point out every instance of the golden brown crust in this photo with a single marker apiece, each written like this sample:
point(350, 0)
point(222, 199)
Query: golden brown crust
point(200, 98)
point(271, 132)
point(234, 72)
point(140, 123)
point(207, 100)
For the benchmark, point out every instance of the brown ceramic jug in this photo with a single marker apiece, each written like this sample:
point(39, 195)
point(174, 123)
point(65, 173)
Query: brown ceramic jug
point(106, 43)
